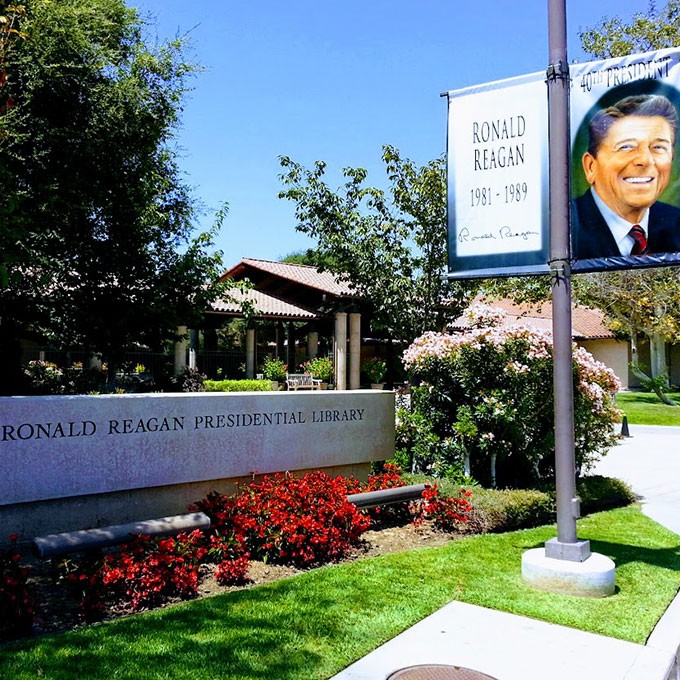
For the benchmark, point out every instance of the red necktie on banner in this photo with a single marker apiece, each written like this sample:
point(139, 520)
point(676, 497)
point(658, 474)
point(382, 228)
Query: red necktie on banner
point(637, 233)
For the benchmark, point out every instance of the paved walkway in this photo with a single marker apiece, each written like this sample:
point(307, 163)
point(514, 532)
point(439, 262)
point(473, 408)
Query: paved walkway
point(510, 647)
point(649, 460)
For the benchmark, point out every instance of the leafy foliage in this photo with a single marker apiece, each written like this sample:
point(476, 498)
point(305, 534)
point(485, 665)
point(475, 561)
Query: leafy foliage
point(598, 493)
point(147, 572)
point(488, 393)
point(237, 385)
point(391, 246)
point(97, 249)
point(290, 520)
point(189, 380)
point(448, 513)
point(651, 30)
point(274, 368)
point(375, 369)
point(320, 368)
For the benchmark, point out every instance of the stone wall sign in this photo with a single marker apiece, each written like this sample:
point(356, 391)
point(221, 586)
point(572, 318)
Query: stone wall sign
point(57, 447)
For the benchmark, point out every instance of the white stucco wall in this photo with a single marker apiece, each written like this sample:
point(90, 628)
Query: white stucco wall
point(613, 354)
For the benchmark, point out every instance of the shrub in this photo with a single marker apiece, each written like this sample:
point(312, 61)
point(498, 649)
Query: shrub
point(83, 380)
point(320, 368)
point(274, 369)
point(147, 572)
point(44, 377)
point(499, 510)
point(488, 393)
point(237, 385)
point(291, 520)
point(417, 447)
point(189, 380)
point(232, 572)
point(375, 369)
point(16, 605)
point(448, 513)
point(599, 493)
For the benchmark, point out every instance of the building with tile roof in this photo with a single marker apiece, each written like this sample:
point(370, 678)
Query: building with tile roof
point(589, 330)
point(311, 311)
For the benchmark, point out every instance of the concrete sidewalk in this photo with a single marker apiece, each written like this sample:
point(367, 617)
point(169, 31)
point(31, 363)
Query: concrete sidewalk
point(649, 460)
point(510, 647)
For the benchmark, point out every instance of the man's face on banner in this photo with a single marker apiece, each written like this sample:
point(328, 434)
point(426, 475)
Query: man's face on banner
point(632, 165)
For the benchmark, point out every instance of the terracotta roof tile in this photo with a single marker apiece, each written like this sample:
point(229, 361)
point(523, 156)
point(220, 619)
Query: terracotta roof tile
point(326, 282)
point(586, 323)
point(265, 305)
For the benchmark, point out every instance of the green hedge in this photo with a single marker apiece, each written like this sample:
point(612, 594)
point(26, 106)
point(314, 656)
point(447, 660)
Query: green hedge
point(497, 510)
point(603, 493)
point(237, 385)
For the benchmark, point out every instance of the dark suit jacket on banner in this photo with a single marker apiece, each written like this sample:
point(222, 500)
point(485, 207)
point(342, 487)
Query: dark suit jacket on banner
point(591, 237)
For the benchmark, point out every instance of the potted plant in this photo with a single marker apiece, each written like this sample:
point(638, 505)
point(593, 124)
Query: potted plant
point(375, 369)
point(320, 368)
point(274, 370)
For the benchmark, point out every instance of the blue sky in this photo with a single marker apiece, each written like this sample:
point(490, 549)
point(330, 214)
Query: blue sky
point(334, 81)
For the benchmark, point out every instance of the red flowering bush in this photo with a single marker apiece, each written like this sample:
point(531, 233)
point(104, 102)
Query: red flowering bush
point(291, 520)
point(150, 570)
point(388, 478)
point(84, 579)
point(232, 571)
point(16, 604)
point(445, 512)
point(146, 572)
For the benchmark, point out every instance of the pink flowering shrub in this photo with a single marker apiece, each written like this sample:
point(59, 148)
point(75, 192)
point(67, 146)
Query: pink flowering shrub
point(487, 394)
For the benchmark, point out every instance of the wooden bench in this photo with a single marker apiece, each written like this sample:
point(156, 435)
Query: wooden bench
point(302, 381)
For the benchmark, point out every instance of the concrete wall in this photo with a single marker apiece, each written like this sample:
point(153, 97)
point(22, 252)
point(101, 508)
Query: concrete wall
point(75, 462)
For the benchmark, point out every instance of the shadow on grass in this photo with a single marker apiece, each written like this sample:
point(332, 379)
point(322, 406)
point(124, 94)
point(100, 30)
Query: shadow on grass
point(623, 553)
point(234, 636)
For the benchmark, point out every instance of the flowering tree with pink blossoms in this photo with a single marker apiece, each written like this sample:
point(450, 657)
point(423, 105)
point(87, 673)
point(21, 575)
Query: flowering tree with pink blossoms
point(487, 397)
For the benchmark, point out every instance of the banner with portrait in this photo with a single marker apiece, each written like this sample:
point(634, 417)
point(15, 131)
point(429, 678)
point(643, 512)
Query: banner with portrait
point(497, 167)
point(625, 208)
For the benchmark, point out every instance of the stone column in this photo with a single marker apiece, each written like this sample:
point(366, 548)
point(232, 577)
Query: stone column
point(291, 358)
point(280, 340)
point(340, 351)
point(181, 350)
point(354, 351)
point(250, 353)
point(193, 348)
point(312, 344)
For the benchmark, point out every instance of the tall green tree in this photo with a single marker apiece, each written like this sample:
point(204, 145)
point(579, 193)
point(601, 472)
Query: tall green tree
point(97, 247)
point(389, 245)
point(654, 29)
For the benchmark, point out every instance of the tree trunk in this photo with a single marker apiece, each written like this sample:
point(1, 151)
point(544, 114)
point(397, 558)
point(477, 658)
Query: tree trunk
point(657, 350)
point(647, 381)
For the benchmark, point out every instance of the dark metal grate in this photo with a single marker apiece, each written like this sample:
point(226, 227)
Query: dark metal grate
point(437, 672)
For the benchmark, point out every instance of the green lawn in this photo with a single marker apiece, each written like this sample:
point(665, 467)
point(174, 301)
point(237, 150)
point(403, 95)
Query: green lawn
point(315, 624)
point(645, 408)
